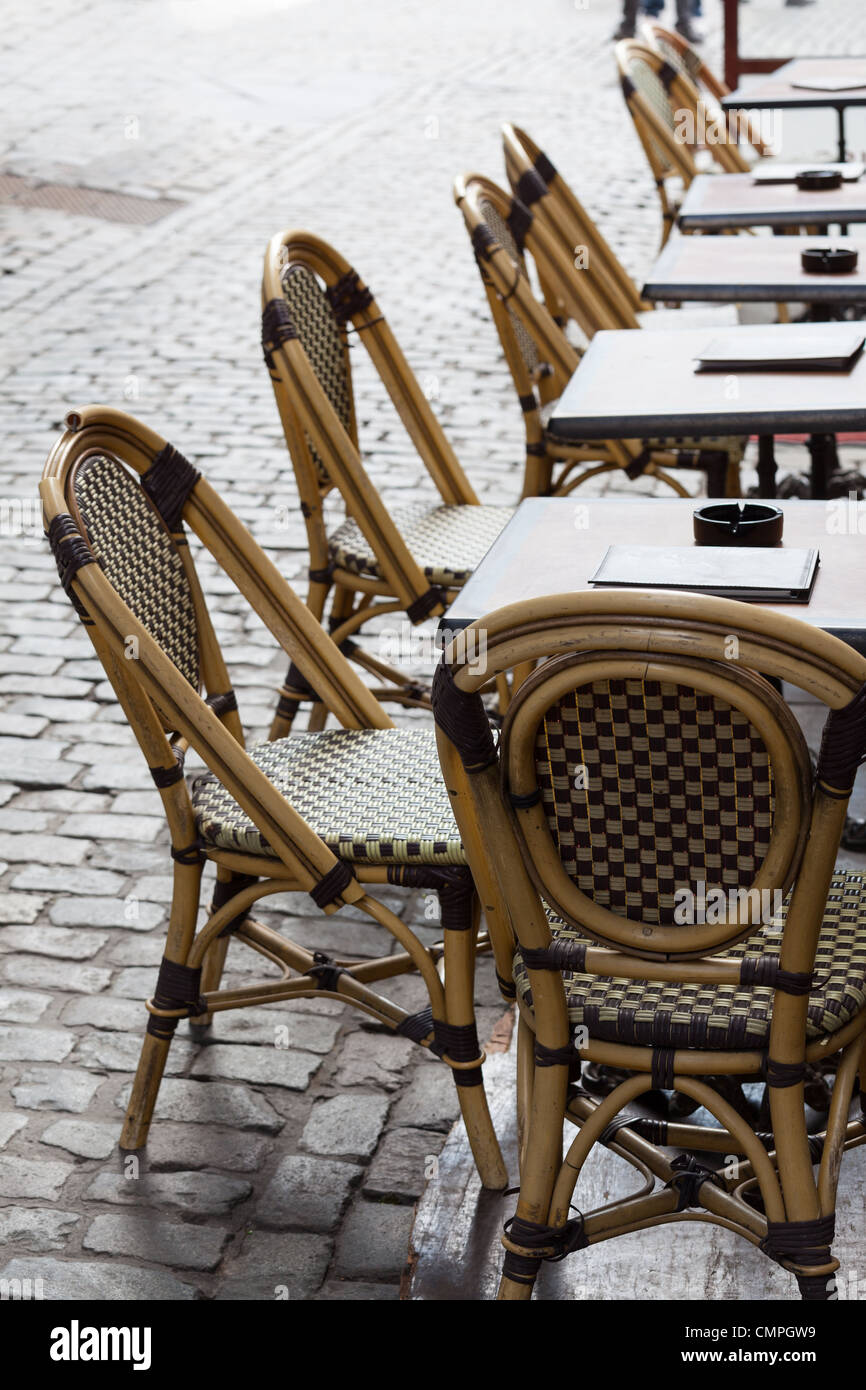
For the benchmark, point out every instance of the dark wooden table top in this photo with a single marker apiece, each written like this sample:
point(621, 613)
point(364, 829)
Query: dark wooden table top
point(718, 201)
point(553, 544)
point(779, 88)
point(635, 384)
point(751, 269)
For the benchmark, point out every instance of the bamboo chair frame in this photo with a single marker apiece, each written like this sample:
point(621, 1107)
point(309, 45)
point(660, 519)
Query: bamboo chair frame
point(168, 715)
point(675, 48)
point(567, 294)
point(310, 423)
point(663, 637)
point(668, 157)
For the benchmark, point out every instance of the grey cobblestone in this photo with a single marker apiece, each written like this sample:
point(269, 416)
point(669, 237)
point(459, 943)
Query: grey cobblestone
point(376, 108)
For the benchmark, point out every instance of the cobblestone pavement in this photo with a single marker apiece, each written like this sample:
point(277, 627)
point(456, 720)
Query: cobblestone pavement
point(291, 1170)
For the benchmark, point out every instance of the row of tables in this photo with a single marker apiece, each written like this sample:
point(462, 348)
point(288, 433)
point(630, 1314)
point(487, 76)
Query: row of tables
point(640, 383)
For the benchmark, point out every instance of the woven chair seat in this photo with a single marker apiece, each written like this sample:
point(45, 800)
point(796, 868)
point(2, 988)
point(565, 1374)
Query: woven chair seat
point(448, 543)
point(375, 796)
point(656, 1014)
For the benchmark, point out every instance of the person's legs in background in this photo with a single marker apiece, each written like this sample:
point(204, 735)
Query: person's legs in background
point(684, 21)
point(626, 29)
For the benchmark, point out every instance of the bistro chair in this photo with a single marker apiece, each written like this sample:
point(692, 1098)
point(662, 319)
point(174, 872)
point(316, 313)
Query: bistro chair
point(662, 101)
point(539, 185)
point(504, 233)
point(647, 759)
point(680, 54)
point(411, 560)
point(335, 814)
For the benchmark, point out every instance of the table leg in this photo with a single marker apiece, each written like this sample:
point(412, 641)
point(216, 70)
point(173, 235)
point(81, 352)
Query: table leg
point(825, 461)
point(841, 115)
point(766, 466)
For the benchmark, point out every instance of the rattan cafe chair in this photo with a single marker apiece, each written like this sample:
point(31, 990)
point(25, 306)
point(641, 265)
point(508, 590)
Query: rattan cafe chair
point(680, 54)
point(411, 560)
point(662, 101)
point(538, 184)
point(646, 762)
point(541, 359)
point(336, 814)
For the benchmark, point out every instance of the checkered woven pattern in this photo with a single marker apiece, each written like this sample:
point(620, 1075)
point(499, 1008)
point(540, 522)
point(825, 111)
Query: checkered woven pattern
point(375, 796)
point(651, 88)
point(687, 62)
point(320, 338)
point(139, 558)
point(677, 791)
point(500, 229)
point(447, 542)
point(655, 1014)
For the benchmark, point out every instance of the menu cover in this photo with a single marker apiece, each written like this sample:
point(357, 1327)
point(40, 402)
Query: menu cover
point(789, 173)
point(788, 351)
point(753, 574)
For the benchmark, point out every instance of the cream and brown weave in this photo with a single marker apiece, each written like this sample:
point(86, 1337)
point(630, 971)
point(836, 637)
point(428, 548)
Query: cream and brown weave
point(503, 234)
point(448, 543)
point(653, 91)
point(375, 796)
point(137, 553)
point(649, 788)
point(656, 1014)
point(320, 338)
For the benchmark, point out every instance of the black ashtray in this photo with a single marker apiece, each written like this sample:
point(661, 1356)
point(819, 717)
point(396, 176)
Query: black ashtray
point(828, 260)
point(738, 523)
point(819, 180)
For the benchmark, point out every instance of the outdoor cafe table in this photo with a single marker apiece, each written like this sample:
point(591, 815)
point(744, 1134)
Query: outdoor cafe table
point(752, 269)
point(720, 202)
point(779, 90)
point(553, 544)
point(633, 385)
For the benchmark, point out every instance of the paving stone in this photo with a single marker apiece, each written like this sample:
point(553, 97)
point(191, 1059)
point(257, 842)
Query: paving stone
point(357, 1291)
point(283, 1028)
point(83, 881)
point(368, 1059)
point(32, 1177)
point(114, 776)
point(104, 1011)
point(59, 800)
point(18, 820)
point(81, 1280)
point(86, 1138)
point(112, 827)
point(135, 982)
point(265, 1066)
point(37, 772)
point(212, 1102)
point(281, 1267)
point(9, 1126)
point(55, 1088)
point(21, 725)
point(127, 858)
point(121, 1051)
point(307, 1194)
point(161, 1242)
point(402, 1165)
point(42, 973)
point(24, 848)
point(20, 1043)
point(53, 941)
point(22, 1006)
point(36, 1228)
point(430, 1102)
point(172, 1147)
point(374, 1242)
point(20, 907)
point(194, 1194)
point(348, 1125)
point(129, 913)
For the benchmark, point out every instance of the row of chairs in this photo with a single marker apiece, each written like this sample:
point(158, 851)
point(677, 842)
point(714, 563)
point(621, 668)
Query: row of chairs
point(339, 812)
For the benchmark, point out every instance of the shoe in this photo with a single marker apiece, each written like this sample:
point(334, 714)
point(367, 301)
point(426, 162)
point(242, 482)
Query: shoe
point(798, 3)
point(625, 31)
point(692, 36)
